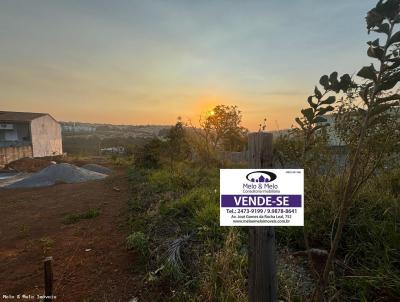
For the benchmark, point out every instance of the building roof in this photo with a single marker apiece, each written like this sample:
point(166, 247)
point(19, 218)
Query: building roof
point(10, 116)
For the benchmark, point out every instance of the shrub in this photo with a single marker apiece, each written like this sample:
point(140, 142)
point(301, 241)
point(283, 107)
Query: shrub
point(224, 274)
point(74, 218)
point(148, 155)
point(188, 204)
point(370, 245)
point(178, 180)
point(47, 244)
point(207, 218)
point(139, 242)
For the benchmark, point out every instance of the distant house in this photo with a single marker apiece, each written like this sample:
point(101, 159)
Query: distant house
point(73, 127)
point(333, 137)
point(27, 134)
point(113, 150)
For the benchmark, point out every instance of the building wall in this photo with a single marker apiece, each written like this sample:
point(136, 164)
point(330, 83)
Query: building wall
point(15, 132)
point(333, 138)
point(10, 135)
point(46, 137)
point(23, 131)
point(9, 154)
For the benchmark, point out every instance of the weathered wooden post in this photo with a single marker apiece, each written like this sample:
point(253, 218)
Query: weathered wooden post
point(48, 278)
point(262, 252)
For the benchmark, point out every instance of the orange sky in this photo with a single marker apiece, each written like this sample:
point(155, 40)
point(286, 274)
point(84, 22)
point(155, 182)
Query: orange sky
point(148, 62)
point(279, 112)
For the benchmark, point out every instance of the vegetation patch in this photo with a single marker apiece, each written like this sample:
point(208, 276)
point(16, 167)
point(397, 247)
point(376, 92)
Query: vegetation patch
point(75, 218)
point(174, 223)
point(139, 242)
point(47, 244)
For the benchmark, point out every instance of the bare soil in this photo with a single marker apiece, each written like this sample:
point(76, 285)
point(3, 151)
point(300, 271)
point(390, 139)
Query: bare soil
point(28, 164)
point(90, 263)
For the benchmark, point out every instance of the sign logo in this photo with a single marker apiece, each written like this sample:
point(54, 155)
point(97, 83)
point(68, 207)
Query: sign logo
point(261, 176)
point(261, 197)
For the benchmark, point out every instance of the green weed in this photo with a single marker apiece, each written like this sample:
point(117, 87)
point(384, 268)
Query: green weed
point(47, 244)
point(75, 218)
point(139, 242)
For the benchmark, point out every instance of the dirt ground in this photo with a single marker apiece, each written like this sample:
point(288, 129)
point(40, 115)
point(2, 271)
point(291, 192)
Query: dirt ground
point(90, 263)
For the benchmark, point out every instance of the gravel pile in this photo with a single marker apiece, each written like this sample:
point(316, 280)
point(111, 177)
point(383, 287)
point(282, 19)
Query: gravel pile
point(57, 173)
point(97, 168)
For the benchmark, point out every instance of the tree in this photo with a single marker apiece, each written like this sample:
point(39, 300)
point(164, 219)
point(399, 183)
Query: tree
point(148, 155)
point(364, 117)
point(222, 128)
point(177, 146)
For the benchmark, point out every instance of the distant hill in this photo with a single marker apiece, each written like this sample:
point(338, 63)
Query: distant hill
point(110, 130)
point(90, 138)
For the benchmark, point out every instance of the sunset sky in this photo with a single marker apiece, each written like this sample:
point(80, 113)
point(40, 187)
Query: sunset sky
point(148, 62)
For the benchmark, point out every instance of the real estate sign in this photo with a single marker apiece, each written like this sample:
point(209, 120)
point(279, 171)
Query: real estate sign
point(261, 197)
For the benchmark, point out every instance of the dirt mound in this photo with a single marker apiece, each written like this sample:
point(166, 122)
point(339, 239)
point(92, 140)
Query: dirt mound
point(57, 173)
point(97, 168)
point(27, 164)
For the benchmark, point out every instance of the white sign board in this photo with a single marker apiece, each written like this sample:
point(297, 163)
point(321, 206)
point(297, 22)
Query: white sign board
point(261, 197)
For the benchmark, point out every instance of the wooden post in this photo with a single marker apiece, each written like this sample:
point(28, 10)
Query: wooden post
point(262, 252)
point(48, 278)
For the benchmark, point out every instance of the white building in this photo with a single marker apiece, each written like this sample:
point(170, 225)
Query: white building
point(77, 127)
point(333, 137)
point(27, 134)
